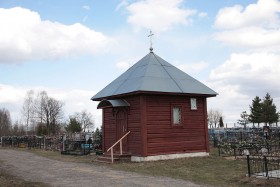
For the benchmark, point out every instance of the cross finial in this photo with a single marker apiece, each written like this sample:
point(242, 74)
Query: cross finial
point(151, 42)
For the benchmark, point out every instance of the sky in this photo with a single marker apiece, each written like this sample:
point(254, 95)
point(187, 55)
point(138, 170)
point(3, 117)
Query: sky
point(73, 49)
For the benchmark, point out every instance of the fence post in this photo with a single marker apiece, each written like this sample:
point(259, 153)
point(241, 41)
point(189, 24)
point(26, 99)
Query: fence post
point(215, 141)
point(265, 166)
point(44, 142)
point(63, 142)
point(248, 165)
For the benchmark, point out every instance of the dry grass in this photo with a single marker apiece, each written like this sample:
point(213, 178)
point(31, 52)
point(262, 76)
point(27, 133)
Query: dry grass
point(66, 158)
point(8, 180)
point(213, 170)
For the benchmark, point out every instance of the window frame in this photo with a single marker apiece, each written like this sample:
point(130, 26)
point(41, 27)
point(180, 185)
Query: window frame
point(172, 116)
point(192, 99)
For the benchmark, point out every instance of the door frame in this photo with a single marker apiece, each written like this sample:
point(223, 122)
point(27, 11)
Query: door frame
point(122, 117)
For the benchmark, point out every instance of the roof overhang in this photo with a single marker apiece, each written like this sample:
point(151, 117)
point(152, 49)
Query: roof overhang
point(112, 103)
point(154, 93)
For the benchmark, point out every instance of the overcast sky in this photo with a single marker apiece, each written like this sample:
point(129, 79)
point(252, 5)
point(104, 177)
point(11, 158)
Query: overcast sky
point(73, 49)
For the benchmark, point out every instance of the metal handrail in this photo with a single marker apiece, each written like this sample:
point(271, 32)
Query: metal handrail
point(119, 141)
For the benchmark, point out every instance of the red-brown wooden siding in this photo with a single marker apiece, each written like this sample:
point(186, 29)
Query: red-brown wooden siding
point(109, 128)
point(149, 121)
point(162, 137)
point(134, 126)
point(133, 121)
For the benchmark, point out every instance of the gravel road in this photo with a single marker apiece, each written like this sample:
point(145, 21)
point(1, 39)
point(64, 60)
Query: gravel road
point(31, 167)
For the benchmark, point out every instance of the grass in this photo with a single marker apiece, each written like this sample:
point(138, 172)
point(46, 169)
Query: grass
point(9, 180)
point(57, 156)
point(212, 170)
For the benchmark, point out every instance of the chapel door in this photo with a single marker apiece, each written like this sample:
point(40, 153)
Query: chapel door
point(121, 129)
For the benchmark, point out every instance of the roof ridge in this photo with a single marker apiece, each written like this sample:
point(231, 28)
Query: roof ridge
point(127, 78)
point(134, 69)
point(168, 73)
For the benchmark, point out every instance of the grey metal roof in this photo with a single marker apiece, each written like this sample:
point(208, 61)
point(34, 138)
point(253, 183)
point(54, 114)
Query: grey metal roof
point(113, 103)
point(153, 74)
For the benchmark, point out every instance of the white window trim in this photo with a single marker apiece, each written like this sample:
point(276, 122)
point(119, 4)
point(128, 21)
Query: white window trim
point(193, 104)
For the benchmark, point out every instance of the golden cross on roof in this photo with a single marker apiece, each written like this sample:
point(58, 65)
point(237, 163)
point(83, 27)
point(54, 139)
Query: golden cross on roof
point(151, 42)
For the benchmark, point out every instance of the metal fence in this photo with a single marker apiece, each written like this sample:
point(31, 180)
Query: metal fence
point(261, 149)
point(244, 148)
point(240, 135)
point(264, 166)
point(40, 142)
point(70, 143)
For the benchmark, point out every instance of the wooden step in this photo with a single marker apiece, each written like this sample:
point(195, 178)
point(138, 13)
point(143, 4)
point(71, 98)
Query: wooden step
point(106, 158)
point(124, 154)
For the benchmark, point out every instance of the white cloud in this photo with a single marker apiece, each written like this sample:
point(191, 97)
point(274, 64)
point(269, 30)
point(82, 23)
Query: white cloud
point(158, 15)
point(257, 71)
point(251, 37)
point(193, 67)
point(12, 97)
point(241, 78)
point(86, 7)
point(264, 13)
point(24, 36)
point(122, 4)
point(123, 65)
point(255, 27)
point(256, 30)
point(202, 15)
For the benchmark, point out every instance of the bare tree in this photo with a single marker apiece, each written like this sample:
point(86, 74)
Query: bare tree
point(5, 122)
point(210, 118)
point(86, 120)
point(53, 114)
point(28, 108)
point(214, 117)
point(48, 111)
point(18, 129)
point(39, 104)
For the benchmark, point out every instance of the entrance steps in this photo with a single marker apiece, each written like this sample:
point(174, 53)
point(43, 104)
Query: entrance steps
point(106, 157)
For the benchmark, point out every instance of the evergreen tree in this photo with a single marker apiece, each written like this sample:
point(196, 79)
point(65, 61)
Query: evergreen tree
point(221, 122)
point(74, 125)
point(244, 119)
point(5, 122)
point(41, 130)
point(97, 138)
point(269, 113)
point(256, 111)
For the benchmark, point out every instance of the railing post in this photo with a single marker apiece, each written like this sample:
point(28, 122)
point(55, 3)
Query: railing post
point(248, 164)
point(112, 156)
point(119, 141)
point(121, 147)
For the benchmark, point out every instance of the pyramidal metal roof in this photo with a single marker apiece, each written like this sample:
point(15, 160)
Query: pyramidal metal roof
point(153, 74)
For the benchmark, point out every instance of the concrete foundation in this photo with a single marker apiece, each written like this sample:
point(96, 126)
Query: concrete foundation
point(168, 157)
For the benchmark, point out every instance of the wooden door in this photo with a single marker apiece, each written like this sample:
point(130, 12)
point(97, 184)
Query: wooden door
point(121, 128)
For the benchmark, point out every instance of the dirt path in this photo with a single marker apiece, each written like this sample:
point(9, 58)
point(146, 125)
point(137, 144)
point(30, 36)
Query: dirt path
point(57, 173)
